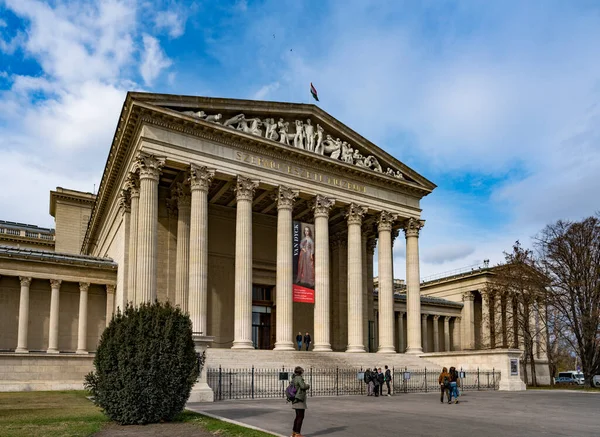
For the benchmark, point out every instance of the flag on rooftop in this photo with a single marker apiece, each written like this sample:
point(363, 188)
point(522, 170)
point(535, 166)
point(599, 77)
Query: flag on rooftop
point(313, 91)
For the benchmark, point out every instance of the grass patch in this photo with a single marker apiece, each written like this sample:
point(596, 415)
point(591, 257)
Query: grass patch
point(218, 427)
point(49, 414)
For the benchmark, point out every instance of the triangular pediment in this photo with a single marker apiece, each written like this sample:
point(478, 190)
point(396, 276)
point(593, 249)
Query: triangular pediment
point(300, 126)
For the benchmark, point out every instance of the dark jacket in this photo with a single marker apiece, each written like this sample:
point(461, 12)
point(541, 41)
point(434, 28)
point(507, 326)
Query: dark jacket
point(298, 338)
point(380, 378)
point(307, 339)
point(388, 375)
point(367, 377)
point(301, 388)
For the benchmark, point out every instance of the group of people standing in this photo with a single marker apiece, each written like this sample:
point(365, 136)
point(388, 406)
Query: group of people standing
point(375, 379)
point(306, 340)
point(449, 381)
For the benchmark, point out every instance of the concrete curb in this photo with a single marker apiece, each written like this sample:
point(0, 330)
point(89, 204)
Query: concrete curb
point(235, 422)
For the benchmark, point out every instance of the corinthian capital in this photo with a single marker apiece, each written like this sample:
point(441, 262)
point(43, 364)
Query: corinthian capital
point(285, 197)
point(355, 214)
point(25, 281)
point(467, 295)
point(55, 283)
point(125, 200)
point(386, 220)
point(412, 226)
point(132, 184)
point(322, 205)
point(84, 287)
point(181, 193)
point(244, 188)
point(201, 177)
point(149, 166)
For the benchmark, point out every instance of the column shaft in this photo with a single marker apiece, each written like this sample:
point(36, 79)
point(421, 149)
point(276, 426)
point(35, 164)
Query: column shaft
point(424, 335)
point(447, 333)
point(343, 293)
point(401, 346)
point(200, 180)
point(485, 320)
point(355, 331)
point(110, 303)
point(468, 325)
point(243, 264)
point(386, 284)
point(457, 345)
point(365, 304)
point(321, 207)
point(335, 293)
point(134, 193)
point(182, 266)
point(125, 204)
point(54, 313)
point(413, 291)
point(285, 270)
point(83, 319)
point(436, 333)
point(149, 168)
point(23, 315)
point(371, 243)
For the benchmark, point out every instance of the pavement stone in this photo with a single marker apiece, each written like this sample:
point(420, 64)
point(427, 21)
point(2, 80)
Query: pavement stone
point(524, 414)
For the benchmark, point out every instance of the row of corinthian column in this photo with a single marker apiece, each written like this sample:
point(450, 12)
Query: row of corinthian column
point(192, 260)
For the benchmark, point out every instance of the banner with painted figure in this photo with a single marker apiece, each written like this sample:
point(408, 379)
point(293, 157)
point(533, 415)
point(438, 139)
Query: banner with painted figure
point(303, 249)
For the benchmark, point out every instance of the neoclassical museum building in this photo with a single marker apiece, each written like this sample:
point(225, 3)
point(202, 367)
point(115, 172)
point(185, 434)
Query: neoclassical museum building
point(260, 219)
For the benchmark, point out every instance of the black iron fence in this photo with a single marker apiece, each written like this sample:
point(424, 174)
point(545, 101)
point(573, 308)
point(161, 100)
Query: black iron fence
point(255, 383)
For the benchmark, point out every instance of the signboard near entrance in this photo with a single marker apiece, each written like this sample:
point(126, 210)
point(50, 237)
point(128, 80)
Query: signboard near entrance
point(303, 251)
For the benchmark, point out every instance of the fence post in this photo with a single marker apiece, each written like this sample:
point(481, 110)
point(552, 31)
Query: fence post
point(494, 378)
point(337, 377)
point(405, 383)
point(220, 384)
point(425, 379)
point(230, 383)
point(252, 382)
point(311, 381)
point(478, 378)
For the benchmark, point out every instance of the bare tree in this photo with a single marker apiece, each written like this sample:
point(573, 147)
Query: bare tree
point(570, 255)
point(518, 291)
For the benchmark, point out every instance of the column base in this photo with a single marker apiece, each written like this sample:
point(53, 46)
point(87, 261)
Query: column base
point(356, 349)
point(414, 350)
point(386, 350)
point(322, 348)
point(201, 392)
point(21, 350)
point(242, 344)
point(287, 346)
point(81, 352)
point(52, 351)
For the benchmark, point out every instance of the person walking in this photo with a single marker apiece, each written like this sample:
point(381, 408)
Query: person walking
point(299, 402)
point(444, 382)
point(453, 385)
point(375, 381)
point(388, 379)
point(381, 380)
point(299, 341)
point(307, 340)
point(369, 382)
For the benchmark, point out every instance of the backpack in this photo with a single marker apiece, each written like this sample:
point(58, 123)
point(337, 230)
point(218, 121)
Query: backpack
point(290, 392)
point(446, 381)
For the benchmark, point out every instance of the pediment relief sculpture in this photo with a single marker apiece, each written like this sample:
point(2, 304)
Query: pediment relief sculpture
point(305, 136)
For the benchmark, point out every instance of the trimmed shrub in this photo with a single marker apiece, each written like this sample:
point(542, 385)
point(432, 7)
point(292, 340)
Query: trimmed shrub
point(145, 365)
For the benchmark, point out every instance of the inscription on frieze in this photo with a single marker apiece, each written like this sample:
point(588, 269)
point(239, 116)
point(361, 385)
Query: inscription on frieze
point(270, 163)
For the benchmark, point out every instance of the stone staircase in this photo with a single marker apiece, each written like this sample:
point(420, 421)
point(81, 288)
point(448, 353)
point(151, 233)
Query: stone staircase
point(270, 359)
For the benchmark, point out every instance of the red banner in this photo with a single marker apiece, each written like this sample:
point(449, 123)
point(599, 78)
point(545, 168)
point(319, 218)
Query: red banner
point(303, 294)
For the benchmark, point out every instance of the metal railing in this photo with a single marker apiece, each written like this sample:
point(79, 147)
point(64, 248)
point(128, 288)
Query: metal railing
point(256, 383)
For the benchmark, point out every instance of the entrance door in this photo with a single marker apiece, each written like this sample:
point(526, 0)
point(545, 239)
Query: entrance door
point(261, 327)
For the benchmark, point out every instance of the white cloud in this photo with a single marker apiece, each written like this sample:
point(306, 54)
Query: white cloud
point(171, 21)
point(154, 60)
point(265, 91)
point(443, 253)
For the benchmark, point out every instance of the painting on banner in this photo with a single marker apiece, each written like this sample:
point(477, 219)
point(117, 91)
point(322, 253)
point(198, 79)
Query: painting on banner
point(303, 248)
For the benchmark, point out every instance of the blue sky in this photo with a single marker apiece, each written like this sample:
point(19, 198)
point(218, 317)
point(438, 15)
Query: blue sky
point(496, 102)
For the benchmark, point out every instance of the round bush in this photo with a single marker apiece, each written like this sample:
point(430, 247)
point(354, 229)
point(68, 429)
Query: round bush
point(145, 365)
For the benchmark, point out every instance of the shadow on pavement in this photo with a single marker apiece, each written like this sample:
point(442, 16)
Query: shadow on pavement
point(329, 430)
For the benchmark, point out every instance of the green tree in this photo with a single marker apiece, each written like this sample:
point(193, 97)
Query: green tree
point(145, 365)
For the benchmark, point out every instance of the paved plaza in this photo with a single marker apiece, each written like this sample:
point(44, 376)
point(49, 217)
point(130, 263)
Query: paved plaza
point(531, 413)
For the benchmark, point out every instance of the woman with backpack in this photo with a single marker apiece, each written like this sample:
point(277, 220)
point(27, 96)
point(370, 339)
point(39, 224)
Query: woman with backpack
point(444, 381)
point(299, 400)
